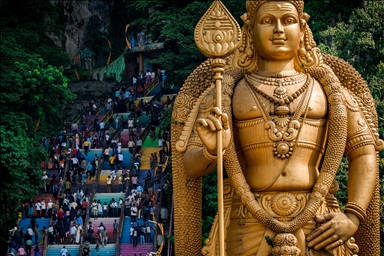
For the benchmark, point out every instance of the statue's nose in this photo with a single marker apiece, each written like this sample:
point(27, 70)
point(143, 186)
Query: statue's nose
point(278, 27)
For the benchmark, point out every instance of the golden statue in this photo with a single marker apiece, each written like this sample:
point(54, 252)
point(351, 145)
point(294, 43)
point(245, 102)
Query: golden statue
point(289, 114)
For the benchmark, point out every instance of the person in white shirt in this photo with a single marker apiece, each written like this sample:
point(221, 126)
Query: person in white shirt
point(120, 160)
point(30, 231)
point(49, 208)
point(131, 145)
point(38, 209)
point(133, 213)
point(113, 175)
point(139, 143)
point(134, 192)
point(119, 147)
point(131, 234)
point(102, 126)
point(73, 231)
point(63, 251)
point(43, 208)
point(130, 125)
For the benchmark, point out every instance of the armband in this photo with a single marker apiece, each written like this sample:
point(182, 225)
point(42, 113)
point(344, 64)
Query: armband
point(356, 209)
point(208, 155)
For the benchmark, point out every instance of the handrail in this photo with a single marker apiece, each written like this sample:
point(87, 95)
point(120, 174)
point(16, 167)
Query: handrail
point(151, 86)
point(109, 113)
point(144, 133)
point(45, 237)
point(120, 231)
point(80, 245)
point(119, 129)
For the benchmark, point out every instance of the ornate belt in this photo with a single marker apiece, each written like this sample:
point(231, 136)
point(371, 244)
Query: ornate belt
point(281, 205)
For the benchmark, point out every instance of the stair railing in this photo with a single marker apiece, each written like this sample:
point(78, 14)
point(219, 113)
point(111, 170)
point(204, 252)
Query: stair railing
point(45, 237)
point(151, 86)
point(120, 230)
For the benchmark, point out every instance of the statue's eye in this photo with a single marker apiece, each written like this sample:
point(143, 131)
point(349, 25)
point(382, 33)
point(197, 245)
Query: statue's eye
point(266, 21)
point(290, 20)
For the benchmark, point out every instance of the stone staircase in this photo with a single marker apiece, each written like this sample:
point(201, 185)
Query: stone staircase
point(108, 223)
point(103, 182)
point(54, 250)
point(145, 162)
point(40, 221)
point(129, 250)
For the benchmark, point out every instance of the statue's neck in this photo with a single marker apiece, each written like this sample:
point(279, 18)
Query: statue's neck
point(272, 68)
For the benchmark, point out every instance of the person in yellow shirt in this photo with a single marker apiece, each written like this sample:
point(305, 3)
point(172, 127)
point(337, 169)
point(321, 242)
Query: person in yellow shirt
point(86, 147)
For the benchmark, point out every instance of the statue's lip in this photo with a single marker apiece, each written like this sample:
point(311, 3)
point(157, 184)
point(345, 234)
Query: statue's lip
point(278, 40)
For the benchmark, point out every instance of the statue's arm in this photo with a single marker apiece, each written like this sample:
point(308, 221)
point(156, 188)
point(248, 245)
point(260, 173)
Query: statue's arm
point(337, 228)
point(196, 164)
point(361, 155)
point(201, 154)
point(361, 177)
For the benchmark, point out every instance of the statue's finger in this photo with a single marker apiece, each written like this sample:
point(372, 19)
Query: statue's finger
point(322, 240)
point(201, 122)
point(319, 231)
point(224, 119)
point(217, 111)
point(211, 125)
point(326, 242)
point(334, 245)
point(215, 121)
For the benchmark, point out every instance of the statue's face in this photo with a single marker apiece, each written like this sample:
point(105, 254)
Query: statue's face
point(276, 32)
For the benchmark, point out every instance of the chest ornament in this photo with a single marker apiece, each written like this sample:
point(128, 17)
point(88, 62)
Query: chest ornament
point(283, 128)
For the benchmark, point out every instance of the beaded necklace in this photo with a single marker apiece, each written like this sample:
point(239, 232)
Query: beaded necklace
point(280, 92)
point(284, 139)
point(282, 99)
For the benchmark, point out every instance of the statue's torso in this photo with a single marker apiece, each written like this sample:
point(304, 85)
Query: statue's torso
point(262, 169)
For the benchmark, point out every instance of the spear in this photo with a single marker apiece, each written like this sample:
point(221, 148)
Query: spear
point(217, 35)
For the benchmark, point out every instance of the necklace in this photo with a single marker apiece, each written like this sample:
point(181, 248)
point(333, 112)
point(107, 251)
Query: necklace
point(284, 139)
point(282, 99)
point(280, 92)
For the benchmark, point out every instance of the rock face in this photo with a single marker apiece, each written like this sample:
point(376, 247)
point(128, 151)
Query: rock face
point(78, 14)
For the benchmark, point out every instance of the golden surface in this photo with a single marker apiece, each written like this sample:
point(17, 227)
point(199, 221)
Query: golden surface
point(283, 138)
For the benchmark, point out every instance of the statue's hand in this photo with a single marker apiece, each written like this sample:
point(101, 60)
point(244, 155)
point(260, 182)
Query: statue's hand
point(207, 127)
point(336, 228)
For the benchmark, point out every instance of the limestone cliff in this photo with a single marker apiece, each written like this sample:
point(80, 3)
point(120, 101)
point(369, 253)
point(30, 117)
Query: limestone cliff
point(77, 15)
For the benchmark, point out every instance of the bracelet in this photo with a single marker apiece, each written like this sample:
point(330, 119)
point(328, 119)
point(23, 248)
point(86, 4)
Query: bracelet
point(356, 209)
point(208, 155)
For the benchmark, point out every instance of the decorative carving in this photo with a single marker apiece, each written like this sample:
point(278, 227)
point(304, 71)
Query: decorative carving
point(283, 204)
point(217, 33)
point(285, 244)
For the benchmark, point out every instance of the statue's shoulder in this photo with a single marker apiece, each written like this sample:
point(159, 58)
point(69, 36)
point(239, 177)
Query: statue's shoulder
point(358, 99)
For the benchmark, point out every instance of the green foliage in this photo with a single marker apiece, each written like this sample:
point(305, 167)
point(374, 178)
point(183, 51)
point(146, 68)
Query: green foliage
point(166, 116)
point(209, 202)
point(33, 94)
point(29, 24)
point(328, 13)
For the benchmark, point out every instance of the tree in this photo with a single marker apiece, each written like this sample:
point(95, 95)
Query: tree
point(34, 92)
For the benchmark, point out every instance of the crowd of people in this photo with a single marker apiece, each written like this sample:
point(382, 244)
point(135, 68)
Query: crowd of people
point(69, 209)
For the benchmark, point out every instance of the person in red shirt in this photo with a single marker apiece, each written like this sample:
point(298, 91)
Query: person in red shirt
point(60, 214)
point(84, 204)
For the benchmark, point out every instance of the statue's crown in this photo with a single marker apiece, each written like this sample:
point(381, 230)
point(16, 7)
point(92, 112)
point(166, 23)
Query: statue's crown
point(253, 6)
